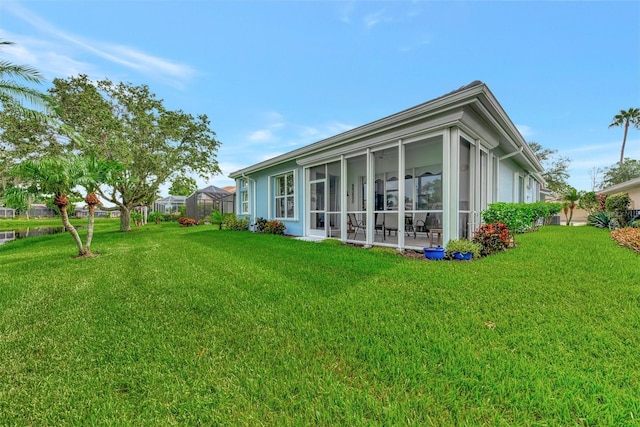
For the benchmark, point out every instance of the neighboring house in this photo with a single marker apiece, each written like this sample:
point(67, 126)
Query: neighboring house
point(416, 178)
point(632, 187)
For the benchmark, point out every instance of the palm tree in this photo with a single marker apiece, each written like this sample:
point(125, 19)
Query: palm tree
point(571, 197)
point(624, 118)
point(56, 176)
point(12, 90)
point(94, 172)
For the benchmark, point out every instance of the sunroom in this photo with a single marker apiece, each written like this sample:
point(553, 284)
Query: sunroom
point(415, 179)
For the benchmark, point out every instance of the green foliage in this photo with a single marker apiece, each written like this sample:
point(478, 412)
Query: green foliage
point(182, 210)
point(555, 167)
point(519, 217)
point(462, 246)
point(129, 123)
point(493, 238)
point(234, 223)
point(260, 224)
point(183, 186)
point(618, 173)
point(136, 217)
point(155, 216)
point(618, 203)
point(600, 219)
point(589, 201)
point(216, 217)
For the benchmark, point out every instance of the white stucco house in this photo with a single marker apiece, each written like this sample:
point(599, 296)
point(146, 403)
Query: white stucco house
point(417, 178)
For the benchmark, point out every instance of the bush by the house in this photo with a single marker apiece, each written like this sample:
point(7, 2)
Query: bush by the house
point(520, 217)
point(186, 222)
point(234, 223)
point(618, 205)
point(462, 246)
point(260, 224)
point(493, 237)
point(628, 237)
point(274, 227)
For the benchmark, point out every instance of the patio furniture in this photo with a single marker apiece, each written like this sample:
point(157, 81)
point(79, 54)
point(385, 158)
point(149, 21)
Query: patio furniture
point(354, 225)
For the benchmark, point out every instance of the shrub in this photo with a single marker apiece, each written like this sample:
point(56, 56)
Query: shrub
point(635, 223)
point(234, 223)
point(618, 202)
point(493, 237)
point(186, 222)
point(155, 216)
point(274, 227)
point(589, 202)
point(463, 246)
point(602, 201)
point(627, 237)
point(599, 219)
point(519, 217)
point(260, 224)
point(170, 217)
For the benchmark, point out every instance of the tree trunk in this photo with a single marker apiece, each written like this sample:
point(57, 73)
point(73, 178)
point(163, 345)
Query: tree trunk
point(125, 218)
point(624, 141)
point(72, 229)
point(87, 247)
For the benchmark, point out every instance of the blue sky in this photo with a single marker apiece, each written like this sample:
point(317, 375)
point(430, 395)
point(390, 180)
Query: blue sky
point(276, 75)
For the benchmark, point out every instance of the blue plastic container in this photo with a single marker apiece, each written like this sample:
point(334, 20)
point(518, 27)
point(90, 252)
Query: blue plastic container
point(434, 253)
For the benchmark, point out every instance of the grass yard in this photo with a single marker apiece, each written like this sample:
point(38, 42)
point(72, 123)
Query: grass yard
point(194, 326)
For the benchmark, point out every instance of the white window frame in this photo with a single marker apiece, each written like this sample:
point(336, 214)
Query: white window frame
point(293, 196)
point(244, 196)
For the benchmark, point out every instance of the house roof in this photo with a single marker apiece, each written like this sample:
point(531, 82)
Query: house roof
point(623, 186)
point(216, 193)
point(475, 93)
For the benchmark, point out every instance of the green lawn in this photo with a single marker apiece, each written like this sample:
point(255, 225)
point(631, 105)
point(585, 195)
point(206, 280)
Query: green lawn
point(194, 326)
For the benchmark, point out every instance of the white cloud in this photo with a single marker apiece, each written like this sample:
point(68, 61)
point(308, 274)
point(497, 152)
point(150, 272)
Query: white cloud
point(262, 135)
point(373, 19)
point(416, 44)
point(55, 54)
point(525, 131)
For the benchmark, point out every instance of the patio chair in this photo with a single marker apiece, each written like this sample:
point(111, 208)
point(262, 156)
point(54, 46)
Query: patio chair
point(354, 225)
point(391, 223)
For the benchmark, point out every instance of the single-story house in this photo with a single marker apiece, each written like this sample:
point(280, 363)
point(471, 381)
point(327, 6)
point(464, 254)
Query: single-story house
point(416, 178)
point(632, 187)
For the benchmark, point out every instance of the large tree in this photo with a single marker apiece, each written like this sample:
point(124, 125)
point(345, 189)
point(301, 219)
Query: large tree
point(128, 124)
point(183, 186)
point(618, 173)
point(626, 118)
point(555, 167)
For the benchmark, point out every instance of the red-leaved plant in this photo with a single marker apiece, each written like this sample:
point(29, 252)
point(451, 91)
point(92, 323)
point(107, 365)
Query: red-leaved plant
point(493, 237)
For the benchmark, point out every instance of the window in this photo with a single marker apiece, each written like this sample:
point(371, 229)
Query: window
point(284, 196)
point(244, 196)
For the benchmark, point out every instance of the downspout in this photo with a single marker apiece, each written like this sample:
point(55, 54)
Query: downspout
point(506, 156)
point(253, 195)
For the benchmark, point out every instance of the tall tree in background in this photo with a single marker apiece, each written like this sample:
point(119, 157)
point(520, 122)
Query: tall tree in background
point(555, 167)
point(183, 186)
point(618, 173)
point(626, 118)
point(128, 124)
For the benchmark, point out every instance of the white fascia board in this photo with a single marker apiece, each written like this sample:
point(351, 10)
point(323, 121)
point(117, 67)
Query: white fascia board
point(635, 182)
point(501, 121)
